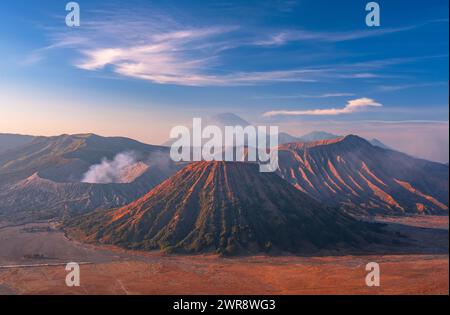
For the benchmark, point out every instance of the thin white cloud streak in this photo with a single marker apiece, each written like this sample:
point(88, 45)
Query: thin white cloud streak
point(416, 121)
point(64, 42)
point(303, 35)
point(287, 36)
point(318, 96)
point(351, 107)
point(392, 88)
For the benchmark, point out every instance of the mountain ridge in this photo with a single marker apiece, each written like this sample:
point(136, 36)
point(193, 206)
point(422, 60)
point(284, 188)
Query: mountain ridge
point(352, 173)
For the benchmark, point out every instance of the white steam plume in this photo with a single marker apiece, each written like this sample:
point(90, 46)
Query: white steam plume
point(110, 171)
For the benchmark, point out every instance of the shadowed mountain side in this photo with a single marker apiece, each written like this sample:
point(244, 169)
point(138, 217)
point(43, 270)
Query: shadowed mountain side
point(228, 208)
point(362, 178)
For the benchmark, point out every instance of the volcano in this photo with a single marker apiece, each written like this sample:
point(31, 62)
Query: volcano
point(227, 208)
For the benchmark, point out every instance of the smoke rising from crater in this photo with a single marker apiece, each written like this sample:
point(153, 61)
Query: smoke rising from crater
point(110, 171)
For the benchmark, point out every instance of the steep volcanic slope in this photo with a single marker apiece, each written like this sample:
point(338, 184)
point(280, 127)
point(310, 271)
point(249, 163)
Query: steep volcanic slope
point(360, 177)
point(228, 208)
point(42, 179)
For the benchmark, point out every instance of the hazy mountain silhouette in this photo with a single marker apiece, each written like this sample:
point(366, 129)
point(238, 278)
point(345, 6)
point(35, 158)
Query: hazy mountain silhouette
point(378, 143)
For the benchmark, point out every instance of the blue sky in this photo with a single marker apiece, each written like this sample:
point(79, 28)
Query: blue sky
point(137, 68)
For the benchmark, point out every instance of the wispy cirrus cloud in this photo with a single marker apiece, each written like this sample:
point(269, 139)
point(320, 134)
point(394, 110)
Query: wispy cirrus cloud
point(182, 56)
point(162, 50)
point(295, 96)
point(287, 36)
point(392, 88)
point(351, 107)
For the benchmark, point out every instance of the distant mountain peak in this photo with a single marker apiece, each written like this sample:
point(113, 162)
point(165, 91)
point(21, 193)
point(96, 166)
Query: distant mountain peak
point(227, 119)
point(377, 143)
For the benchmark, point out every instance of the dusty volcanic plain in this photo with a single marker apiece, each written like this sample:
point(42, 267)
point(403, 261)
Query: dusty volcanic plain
point(33, 258)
